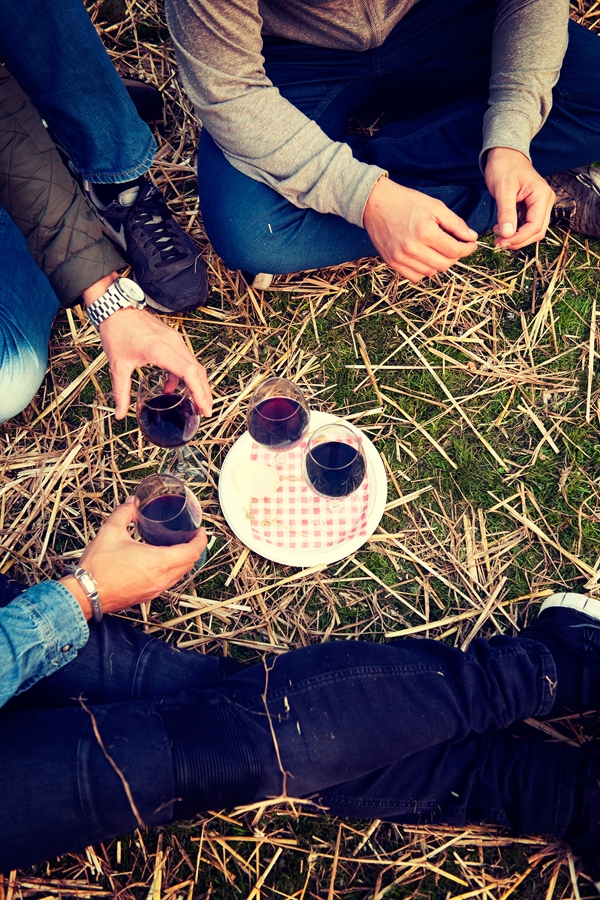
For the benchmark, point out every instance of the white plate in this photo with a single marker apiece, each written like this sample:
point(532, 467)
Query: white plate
point(235, 504)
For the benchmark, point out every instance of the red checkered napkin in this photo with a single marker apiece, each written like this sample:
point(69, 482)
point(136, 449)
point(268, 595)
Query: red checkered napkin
point(296, 518)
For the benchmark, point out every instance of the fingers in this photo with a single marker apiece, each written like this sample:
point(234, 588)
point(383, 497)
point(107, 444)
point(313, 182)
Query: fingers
point(180, 558)
point(538, 212)
point(122, 516)
point(171, 383)
point(185, 366)
point(197, 381)
point(453, 224)
point(422, 259)
point(198, 544)
point(121, 382)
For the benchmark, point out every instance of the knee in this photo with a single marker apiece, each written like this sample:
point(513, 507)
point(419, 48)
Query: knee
point(22, 371)
point(248, 223)
point(245, 234)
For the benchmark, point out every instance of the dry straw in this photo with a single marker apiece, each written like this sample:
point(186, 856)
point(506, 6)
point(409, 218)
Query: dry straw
point(66, 463)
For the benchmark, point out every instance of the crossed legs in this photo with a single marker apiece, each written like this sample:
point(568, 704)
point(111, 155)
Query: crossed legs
point(432, 74)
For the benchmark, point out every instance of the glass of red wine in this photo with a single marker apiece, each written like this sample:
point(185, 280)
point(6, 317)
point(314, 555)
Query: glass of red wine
point(167, 512)
point(334, 466)
point(278, 416)
point(168, 417)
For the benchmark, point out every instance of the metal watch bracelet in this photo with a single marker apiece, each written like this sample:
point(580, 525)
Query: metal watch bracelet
point(88, 583)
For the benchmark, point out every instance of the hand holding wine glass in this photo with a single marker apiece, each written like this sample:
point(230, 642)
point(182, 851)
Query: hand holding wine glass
point(128, 572)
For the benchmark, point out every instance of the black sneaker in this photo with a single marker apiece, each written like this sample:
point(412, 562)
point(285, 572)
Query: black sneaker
point(165, 261)
point(569, 626)
point(9, 589)
point(577, 199)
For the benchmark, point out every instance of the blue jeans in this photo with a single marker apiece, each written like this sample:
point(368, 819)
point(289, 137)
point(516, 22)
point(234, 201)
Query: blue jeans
point(413, 731)
point(432, 76)
point(28, 306)
point(55, 54)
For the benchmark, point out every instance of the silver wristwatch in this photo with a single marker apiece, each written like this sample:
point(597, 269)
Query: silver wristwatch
point(88, 583)
point(122, 293)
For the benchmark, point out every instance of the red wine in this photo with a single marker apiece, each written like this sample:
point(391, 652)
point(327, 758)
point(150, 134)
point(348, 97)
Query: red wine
point(278, 423)
point(169, 420)
point(335, 469)
point(170, 519)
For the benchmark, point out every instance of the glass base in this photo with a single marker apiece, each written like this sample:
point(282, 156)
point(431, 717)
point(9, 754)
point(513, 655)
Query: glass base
point(186, 463)
point(201, 562)
point(334, 515)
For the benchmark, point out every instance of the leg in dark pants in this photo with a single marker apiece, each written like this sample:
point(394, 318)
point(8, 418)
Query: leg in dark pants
point(512, 777)
point(433, 71)
point(338, 712)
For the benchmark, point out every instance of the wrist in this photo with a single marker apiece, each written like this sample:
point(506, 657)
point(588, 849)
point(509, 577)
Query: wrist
point(505, 153)
point(377, 198)
point(73, 586)
point(91, 294)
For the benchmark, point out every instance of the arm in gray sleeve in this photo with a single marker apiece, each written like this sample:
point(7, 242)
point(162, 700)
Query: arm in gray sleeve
point(530, 40)
point(219, 52)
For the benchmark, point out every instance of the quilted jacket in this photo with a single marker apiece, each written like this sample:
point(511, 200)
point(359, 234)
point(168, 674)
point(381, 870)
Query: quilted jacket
point(63, 235)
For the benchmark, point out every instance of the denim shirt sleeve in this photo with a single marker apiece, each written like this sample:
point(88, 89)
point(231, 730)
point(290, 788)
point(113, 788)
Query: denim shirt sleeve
point(40, 631)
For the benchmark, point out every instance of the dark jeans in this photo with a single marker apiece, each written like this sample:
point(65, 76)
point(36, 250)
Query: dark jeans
point(412, 731)
point(432, 75)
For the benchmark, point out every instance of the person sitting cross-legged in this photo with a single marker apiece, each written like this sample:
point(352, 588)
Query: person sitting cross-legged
point(104, 728)
point(492, 122)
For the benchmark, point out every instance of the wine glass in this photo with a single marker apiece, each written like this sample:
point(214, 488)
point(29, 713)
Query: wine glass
point(278, 416)
point(167, 512)
point(168, 417)
point(334, 466)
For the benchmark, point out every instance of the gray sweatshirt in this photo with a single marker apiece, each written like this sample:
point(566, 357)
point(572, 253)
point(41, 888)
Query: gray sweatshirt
point(219, 51)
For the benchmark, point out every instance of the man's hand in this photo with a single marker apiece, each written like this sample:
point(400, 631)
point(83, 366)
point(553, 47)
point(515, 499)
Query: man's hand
point(128, 572)
point(132, 338)
point(520, 193)
point(415, 234)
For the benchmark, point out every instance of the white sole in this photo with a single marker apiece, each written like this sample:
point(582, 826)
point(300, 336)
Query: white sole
point(580, 602)
point(261, 282)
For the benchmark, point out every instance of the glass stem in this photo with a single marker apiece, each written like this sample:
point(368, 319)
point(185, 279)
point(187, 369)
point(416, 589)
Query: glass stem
point(180, 464)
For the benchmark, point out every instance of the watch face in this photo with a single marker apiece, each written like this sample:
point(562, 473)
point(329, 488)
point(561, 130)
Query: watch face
point(88, 581)
point(131, 290)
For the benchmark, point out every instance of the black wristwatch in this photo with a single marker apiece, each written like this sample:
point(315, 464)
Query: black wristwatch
point(122, 293)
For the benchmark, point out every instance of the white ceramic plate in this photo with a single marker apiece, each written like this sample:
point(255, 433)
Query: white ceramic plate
point(235, 504)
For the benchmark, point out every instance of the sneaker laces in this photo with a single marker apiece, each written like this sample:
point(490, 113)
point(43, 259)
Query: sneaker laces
point(156, 219)
point(588, 180)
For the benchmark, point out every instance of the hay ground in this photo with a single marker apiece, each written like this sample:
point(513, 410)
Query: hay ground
point(479, 389)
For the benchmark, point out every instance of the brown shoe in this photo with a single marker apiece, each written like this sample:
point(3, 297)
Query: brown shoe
point(577, 199)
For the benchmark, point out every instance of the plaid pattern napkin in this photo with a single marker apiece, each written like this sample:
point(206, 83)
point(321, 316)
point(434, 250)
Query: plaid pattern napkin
point(298, 519)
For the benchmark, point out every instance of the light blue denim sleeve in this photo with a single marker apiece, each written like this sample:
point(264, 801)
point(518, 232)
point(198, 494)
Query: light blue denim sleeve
point(41, 630)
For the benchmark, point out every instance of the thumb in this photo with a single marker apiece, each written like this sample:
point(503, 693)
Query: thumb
point(456, 226)
point(507, 213)
point(121, 380)
point(123, 515)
